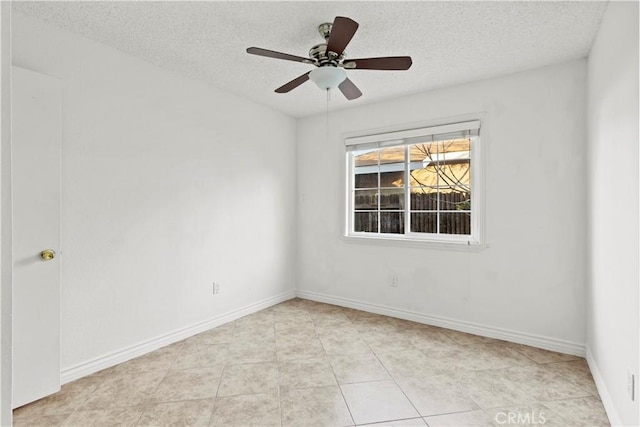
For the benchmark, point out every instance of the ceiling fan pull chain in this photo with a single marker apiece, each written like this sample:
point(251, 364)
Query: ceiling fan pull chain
point(327, 120)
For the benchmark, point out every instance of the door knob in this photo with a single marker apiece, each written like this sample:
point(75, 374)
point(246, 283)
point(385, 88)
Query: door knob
point(47, 254)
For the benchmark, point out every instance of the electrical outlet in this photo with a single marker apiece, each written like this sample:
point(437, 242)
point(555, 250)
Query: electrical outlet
point(216, 288)
point(631, 384)
point(394, 282)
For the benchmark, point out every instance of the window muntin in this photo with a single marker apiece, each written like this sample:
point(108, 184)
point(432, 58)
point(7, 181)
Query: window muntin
point(418, 187)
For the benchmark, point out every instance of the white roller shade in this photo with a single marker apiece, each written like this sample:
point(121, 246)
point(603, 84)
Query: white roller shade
point(415, 136)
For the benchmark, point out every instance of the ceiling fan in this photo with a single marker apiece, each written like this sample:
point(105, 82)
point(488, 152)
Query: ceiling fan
point(329, 58)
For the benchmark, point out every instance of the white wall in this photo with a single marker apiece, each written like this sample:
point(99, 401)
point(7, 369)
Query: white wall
point(167, 185)
point(6, 260)
point(612, 308)
point(531, 278)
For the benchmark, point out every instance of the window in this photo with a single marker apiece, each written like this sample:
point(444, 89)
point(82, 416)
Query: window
point(418, 184)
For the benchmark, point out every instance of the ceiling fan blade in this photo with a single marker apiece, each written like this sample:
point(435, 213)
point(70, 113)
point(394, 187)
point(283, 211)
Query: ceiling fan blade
point(293, 83)
point(277, 55)
point(386, 63)
point(342, 32)
point(349, 90)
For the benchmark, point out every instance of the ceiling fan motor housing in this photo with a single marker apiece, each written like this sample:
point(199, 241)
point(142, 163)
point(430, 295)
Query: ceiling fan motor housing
point(323, 57)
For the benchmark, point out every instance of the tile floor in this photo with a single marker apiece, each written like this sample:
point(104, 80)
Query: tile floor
point(303, 363)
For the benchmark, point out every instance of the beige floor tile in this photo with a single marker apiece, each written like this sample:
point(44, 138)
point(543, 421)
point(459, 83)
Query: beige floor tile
point(403, 324)
point(428, 339)
point(298, 336)
point(255, 332)
point(380, 324)
point(221, 335)
point(386, 341)
point(436, 395)
point(104, 417)
point(343, 344)
point(70, 397)
point(324, 309)
point(288, 308)
point(201, 357)
point(412, 363)
point(363, 316)
point(186, 413)
point(252, 378)
point(575, 372)
point(317, 406)
point(124, 390)
point(330, 317)
point(412, 422)
point(328, 322)
point(533, 415)
point(158, 360)
point(541, 385)
point(477, 357)
point(261, 410)
point(294, 327)
point(302, 373)
point(289, 332)
point(356, 368)
point(539, 355)
point(337, 330)
point(468, 419)
point(464, 338)
point(489, 389)
point(264, 317)
point(299, 349)
point(377, 401)
point(240, 352)
point(188, 384)
point(587, 411)
point(41, 420)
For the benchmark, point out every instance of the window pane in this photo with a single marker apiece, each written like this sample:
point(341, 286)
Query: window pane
point(366, 180)
point(424, 222)
point(366, 200)
point(422, 152)
point(392, 222)
point(391, 155)
point(460, 146)
point(392, 199)
point(392, 178)
point(455, 223)
point(422, 171)
point(455, 174)
point(456, 199)
point(426, 200)
point(392, 166)
point(365, 221)
point(367, 157)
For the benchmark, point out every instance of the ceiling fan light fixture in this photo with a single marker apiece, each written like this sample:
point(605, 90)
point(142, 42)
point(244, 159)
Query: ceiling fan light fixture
point(328, 77)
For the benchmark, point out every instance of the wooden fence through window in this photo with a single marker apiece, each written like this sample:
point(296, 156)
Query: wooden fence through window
point(424, 213)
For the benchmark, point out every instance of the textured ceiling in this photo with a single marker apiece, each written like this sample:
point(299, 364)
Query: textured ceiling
point(450, 42)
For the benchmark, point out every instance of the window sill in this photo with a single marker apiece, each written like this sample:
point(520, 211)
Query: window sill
point(440, 244)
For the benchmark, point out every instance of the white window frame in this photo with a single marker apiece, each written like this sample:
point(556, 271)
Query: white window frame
point(399, 137)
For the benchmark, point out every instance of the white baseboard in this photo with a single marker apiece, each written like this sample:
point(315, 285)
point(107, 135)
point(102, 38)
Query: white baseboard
point(546, 343)
point(120, 356)
point(605, 397)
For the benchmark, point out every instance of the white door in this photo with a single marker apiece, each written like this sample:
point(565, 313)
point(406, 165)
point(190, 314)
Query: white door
point(36, 143)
